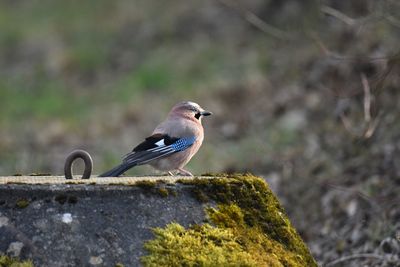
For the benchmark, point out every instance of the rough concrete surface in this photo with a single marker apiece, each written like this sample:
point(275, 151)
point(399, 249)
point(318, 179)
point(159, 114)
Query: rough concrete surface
point(109, 221)
point(91, 224)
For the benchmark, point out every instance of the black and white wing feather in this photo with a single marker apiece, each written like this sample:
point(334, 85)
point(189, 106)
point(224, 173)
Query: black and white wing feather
point(154, 147)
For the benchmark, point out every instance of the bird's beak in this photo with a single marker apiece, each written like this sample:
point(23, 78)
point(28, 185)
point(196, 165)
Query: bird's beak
point(206, 113)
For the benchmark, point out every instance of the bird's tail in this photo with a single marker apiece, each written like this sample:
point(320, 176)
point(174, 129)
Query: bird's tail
point(117, 171)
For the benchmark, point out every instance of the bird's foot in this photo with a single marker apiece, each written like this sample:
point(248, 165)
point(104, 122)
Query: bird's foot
point(171, 174)
point(185, 172)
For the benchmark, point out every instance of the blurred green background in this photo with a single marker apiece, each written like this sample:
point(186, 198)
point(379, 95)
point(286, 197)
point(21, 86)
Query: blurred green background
point(283, 79)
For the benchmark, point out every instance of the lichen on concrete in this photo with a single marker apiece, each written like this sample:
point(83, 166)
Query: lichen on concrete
point(163, 192)
point(247, 228)
point(6, 261)
point(22, 203)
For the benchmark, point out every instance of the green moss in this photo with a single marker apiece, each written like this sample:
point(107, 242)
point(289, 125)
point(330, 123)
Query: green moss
point(156, 187)
point(200, 196)
point(264, 249)
point(22, 203)
point(248, 215)
point(213, 174)
point(148, 185)
point(163, 192)
point(40, 174)
point(74, 182)
point(6, 261)
point(203, 245)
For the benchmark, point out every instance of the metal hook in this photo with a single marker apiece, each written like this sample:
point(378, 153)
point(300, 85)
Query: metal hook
point(85, 156)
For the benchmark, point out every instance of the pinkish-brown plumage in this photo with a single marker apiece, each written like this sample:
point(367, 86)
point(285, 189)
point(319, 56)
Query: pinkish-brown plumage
point(183, 124)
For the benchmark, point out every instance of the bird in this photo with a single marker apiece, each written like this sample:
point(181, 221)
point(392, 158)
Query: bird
point(171, 145)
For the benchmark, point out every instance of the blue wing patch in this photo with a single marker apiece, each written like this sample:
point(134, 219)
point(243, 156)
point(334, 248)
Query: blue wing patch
point(183, 143)
point(161, 148)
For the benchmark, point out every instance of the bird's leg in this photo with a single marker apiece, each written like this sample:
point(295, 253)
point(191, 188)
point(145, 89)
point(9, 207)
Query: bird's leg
point(185, 172)
point(170, 173)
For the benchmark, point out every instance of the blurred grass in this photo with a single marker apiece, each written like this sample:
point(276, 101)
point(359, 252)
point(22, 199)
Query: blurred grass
point(99, 75)
point(49, 99)
point(36, 92)
point(68, 52)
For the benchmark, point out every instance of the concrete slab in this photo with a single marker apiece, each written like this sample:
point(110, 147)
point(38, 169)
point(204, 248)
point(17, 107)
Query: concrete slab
point(92, 180)
point(93, 222)
point(106, 221)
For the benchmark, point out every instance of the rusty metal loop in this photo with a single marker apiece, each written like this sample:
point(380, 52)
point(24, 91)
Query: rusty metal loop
point(85, 156)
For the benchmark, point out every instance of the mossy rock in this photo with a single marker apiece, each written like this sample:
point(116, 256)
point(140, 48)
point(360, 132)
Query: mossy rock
point(22, 203)
point(6, 261)
point(247, 227)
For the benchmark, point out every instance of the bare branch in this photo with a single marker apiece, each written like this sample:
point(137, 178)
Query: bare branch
point(392, 21)
point(367, 109)
point(356, 256)
point(348, 126)
point(325, 50)
point(372, 127)
point(336, 56)
point(256, 21)
point(367, 98)
point(369, 124)
point(369, 128)
point(337, 14)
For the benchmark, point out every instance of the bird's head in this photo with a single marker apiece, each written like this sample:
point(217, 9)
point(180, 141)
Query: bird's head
point(190, 110)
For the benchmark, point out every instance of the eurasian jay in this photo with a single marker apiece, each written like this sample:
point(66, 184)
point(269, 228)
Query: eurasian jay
point(172, 144)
